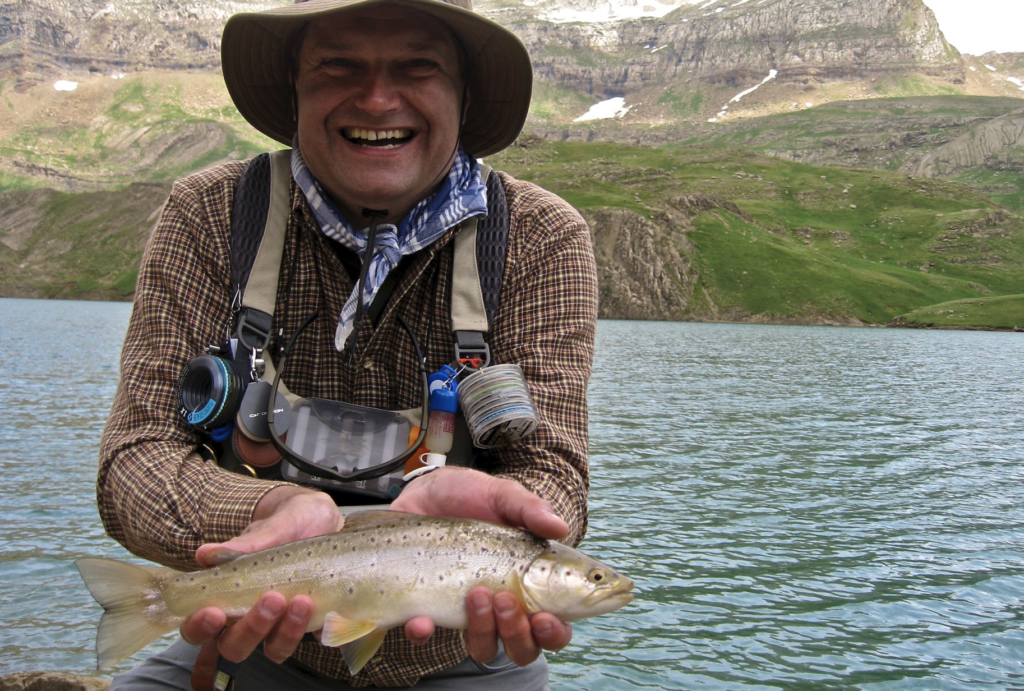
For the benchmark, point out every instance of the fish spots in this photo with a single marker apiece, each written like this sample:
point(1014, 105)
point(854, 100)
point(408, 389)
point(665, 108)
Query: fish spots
point(423, 580)
point(543, 569)
point(484, 550)
point(309, 553)
point(332, 575)
point(334, 548)
point(373, 539)
point(287, 554)
point(234, 568)
point(440, 577)
point(238, 584)
point(204, 587)
point(191, 579)
point(388, 541)
point(272, 559)
point(351, 590)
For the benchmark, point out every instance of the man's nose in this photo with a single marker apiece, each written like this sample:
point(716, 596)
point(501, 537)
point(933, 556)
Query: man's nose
point(378, 92)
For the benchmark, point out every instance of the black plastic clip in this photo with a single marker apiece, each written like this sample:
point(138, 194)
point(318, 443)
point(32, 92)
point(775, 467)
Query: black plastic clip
point(471, 346)
point(253, 330)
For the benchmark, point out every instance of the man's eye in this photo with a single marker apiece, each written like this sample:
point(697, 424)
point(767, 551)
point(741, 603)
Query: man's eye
point(420, 65)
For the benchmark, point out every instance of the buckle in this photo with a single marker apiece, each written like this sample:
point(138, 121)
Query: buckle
point(470, 346)
point(253, 330)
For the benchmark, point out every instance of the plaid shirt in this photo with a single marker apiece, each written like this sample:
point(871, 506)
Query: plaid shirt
point(161, 500)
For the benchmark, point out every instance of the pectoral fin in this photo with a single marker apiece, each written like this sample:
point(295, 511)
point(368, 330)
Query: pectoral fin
point(338, 630)
point(358, 653)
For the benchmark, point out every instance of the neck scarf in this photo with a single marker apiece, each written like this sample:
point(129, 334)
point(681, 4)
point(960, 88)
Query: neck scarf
point(461, 195)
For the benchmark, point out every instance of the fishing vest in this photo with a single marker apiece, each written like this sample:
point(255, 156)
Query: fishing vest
point(259, 221)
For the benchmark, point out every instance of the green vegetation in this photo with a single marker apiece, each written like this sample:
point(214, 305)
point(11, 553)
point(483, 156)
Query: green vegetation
point(153, 127)
point(552, 103)
point(1003, 312)
point(75, 245)
point(806, 243)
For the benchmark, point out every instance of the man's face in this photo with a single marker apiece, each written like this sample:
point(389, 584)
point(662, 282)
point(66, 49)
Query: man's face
point(379, 96)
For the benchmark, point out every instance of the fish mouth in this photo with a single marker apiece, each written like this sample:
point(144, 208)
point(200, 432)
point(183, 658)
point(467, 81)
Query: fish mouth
point(614, 599)
point(391, 138)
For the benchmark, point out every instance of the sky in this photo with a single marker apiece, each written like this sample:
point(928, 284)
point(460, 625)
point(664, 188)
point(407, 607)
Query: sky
point(978, 26)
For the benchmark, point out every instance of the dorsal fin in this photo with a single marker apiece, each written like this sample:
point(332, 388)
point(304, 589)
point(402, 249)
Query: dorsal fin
point(373, 518)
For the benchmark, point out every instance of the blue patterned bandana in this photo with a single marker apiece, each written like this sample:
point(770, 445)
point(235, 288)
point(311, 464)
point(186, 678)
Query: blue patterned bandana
point(461, 195)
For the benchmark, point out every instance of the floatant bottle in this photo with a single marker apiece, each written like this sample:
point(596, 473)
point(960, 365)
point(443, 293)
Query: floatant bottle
point(443, 403)
point(441, 423)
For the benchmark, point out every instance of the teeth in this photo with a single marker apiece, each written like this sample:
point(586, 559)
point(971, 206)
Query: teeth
point(375, 135)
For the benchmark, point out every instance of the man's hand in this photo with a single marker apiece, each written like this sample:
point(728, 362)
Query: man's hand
point(465, 493)
point(285, 514)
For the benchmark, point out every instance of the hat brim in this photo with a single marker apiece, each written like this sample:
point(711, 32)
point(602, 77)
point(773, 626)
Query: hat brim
point(256, 56)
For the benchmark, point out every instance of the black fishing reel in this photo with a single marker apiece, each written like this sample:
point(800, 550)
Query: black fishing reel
point(211, 386)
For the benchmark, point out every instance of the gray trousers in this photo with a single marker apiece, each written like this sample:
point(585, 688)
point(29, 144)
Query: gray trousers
point(172, 670)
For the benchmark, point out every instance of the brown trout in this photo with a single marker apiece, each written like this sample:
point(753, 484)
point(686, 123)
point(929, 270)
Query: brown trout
point(381, 570)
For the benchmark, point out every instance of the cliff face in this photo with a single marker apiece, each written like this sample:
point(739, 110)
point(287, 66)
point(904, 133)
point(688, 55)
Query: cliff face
point(723, 43)
point(738, 44)
point(106, 36)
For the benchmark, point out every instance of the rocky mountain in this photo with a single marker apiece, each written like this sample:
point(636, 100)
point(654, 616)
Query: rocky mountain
point(727, 46)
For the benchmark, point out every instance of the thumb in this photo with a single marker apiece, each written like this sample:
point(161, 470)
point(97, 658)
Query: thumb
point(521, 507)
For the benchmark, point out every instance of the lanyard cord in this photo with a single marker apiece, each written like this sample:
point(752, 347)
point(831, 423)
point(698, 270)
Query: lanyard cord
point(312, 468)
point(371, 248)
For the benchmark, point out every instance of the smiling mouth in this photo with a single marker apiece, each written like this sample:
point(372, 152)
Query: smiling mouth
point(377, 139)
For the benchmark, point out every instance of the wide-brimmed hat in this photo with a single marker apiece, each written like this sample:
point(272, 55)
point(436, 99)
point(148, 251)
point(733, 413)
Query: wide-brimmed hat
point(257, 54)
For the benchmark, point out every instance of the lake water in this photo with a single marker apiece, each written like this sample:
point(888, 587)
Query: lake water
point(801, 508)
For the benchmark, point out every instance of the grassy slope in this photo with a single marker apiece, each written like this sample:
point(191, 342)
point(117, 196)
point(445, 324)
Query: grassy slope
point(826, 243)
point(153, 126)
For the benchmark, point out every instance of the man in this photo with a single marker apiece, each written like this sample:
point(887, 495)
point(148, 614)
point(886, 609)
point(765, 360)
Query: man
point(387, 104)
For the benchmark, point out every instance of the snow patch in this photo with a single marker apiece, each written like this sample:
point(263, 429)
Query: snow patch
point(64, 85)
point(612, 108)
point(972, 68)
point(991, 68)
point(1014, 80)
point(736, 99)
point(119, 75)
point(612, 10)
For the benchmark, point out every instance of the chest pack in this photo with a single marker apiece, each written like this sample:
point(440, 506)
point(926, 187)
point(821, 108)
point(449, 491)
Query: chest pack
point(259, 222)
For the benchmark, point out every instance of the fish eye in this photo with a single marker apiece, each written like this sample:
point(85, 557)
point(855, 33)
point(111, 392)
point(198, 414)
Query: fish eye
point(596, 575)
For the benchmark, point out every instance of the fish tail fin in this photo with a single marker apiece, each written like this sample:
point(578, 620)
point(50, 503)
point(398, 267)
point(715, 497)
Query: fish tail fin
point(134, 611)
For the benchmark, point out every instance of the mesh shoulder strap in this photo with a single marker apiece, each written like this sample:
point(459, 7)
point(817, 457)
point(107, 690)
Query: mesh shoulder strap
point(259, 219)
point(479, 266)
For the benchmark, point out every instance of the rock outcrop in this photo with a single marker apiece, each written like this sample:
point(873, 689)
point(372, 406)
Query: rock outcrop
point(996, 143)
point(731, 44)
point(51, 681)
point(738, 44)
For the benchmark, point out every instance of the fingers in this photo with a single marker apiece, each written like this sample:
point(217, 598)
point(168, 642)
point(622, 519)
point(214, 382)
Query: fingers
point(550, 632)
point(520, 507)
point(240, 639)
point(203, 625)
point(514, 629)
point(482, 634)
point(419, 630)
point(285, 637)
